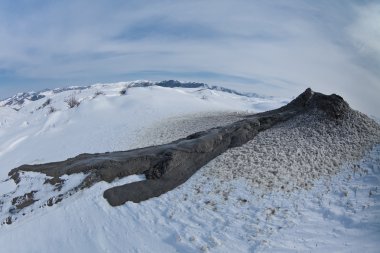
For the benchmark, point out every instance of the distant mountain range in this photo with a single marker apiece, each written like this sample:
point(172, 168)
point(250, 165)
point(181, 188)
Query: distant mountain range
point(20, 98)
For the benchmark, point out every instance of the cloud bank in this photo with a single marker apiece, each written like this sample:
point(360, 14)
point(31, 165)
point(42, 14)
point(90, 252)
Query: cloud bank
point(271, 47)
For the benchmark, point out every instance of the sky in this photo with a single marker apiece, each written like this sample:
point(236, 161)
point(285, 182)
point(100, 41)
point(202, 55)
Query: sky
point(270, 47)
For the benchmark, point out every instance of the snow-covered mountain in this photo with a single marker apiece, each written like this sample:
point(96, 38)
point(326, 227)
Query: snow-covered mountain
point(19, 99)
point(299, 186)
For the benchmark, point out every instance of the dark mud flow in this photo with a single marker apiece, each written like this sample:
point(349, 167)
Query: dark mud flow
point(168, 166)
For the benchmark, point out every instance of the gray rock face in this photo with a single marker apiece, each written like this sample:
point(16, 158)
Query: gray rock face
point(168, 166)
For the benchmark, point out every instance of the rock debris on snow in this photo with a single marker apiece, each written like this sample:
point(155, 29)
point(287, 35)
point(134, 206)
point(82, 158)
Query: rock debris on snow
point(294, 153)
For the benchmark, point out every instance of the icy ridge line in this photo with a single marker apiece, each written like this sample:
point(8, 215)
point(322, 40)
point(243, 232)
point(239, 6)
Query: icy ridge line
point(168, 166)
point(20, 98)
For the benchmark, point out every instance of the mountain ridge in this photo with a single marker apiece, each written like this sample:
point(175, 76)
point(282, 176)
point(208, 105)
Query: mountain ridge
point(20, 98)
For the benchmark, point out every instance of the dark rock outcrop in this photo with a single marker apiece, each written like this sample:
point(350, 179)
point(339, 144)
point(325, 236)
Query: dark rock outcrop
point(168, 166)
point(21, 202)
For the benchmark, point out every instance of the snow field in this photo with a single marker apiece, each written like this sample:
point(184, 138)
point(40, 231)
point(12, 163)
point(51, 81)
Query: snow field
point(329, 201)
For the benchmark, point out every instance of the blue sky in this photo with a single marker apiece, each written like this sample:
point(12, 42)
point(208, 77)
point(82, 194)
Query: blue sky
point(270, 47)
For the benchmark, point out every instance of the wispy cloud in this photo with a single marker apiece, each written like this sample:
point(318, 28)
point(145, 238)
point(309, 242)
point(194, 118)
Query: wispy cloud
point(332, 46)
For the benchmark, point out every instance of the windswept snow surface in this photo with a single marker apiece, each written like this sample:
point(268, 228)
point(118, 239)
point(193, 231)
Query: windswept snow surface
point(102, 122)
point(330, 203)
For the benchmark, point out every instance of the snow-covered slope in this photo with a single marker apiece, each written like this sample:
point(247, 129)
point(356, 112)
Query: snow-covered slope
point(105, 120)
point(19, 99)
point(220, 209)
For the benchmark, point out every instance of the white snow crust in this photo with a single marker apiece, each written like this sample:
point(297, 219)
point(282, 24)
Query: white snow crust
point(298, 187)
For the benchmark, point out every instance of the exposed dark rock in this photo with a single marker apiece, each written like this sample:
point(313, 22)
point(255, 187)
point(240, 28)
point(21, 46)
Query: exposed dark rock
point(8, 220)
point(46, 103)
point(54, 181)
point(23, 201)
point(245, 94)
point(174, 84)
point(168, 166)
point(35, 97)
point(54, 200)
point(50, 202)
point(19, 99)
point(123, 91)
point(16, 177)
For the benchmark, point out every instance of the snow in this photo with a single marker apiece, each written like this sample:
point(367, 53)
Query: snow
point(221, 208)
point(110, 120)
point(342, 214)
